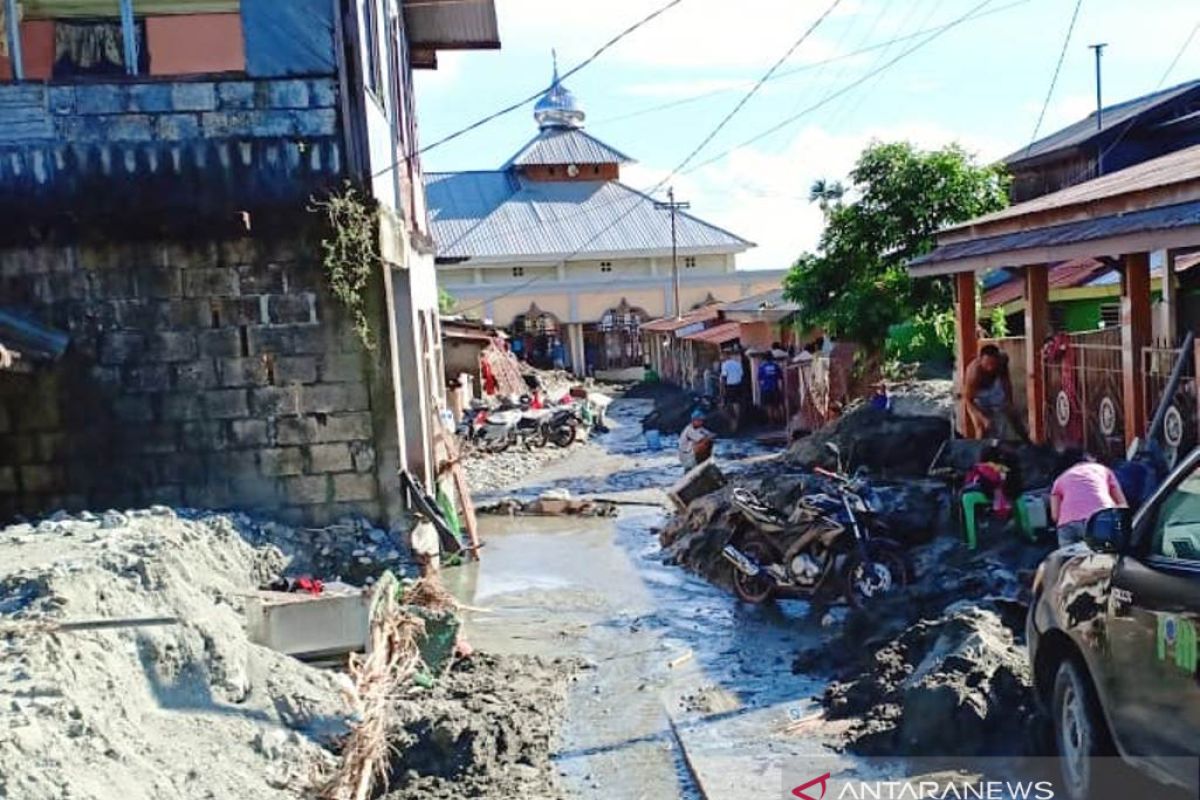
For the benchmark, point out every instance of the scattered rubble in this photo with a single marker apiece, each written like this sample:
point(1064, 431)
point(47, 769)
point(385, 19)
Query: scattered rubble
point(485, 731)
point(552, 503)
point(493, 472)
point(888, 444)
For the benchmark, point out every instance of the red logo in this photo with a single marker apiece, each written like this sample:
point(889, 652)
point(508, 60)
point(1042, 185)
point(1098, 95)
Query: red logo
point(800, 792)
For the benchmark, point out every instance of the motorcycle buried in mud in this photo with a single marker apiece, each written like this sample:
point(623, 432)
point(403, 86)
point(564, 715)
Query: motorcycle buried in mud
point(825, 548)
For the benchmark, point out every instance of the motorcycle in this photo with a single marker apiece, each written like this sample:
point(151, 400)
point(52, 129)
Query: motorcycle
point(827, 547)
point(561, 426)
point(494, 431)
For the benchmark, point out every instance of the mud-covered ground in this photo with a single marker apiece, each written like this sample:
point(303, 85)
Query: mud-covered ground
point(486, 730)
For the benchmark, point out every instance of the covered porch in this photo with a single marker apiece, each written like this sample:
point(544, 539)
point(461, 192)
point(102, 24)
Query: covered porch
point(1093, 389)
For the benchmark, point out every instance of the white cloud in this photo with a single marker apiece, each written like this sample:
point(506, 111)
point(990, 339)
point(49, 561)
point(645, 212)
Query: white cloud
point(763, 195)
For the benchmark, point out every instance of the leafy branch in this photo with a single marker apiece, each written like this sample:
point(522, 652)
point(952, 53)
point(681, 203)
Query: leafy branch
point(351, 253)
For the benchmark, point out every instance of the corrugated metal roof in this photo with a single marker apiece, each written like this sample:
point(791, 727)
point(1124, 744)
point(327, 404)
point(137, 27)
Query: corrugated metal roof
point(451, 24)
point(500, 216)
point(772, 301)
point(717, 334)
point(566, 146)
point(1064, 275)
point(668, 324)
point(1154, 219)
point(1178, 167)
point(1113, 116)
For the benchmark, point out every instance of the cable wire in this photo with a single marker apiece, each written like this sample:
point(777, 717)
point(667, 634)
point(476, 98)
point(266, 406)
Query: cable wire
point(514, 106)
point(1062, 55)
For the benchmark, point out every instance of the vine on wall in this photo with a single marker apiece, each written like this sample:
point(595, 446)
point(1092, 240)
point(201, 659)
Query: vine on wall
point(351, 251)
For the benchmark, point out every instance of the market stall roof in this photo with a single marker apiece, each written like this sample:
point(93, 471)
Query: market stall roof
point(717, 334)
point(670, 324)
point(770, 305)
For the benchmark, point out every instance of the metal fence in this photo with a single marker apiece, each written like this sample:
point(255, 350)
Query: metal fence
point(1085, 401)
point(1179, 431)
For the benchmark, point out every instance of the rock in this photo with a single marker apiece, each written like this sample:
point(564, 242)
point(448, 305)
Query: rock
point(886, 443)
point(110, 520)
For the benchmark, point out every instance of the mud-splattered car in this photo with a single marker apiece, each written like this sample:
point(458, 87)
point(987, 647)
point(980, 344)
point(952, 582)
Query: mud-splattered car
point(1112, 634)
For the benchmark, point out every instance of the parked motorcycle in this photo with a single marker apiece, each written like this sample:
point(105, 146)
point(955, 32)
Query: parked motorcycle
point(827, 547)
point(561, 426)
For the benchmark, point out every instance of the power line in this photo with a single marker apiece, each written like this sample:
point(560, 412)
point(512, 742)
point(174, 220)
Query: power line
point(514, 106)
point(753, 90)
point(724, 121)
point(974, 13)
point(1062, 55)
point(788, 73)
point(834, 95)
point(1178, 55)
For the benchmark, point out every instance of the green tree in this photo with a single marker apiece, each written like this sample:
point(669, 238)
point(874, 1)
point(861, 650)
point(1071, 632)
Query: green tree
point(446, 302)
point(856, 285)
point(826, 193)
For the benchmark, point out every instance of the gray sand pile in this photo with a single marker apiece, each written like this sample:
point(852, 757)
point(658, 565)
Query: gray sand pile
point(192, 710)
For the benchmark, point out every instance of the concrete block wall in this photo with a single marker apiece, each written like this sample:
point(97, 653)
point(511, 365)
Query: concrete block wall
point(208, 375)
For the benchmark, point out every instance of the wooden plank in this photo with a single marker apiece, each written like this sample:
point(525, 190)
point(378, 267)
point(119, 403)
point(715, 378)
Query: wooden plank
point(1135, 335)
point(966, 339)
point(1037, 328)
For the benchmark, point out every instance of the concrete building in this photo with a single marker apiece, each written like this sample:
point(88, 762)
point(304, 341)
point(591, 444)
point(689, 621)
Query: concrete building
point(158, 164)
point(556, 248)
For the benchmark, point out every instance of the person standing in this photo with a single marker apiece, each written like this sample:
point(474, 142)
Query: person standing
point(1085, 488)
point(695, 442)
point(733, 385)
point(770, 388)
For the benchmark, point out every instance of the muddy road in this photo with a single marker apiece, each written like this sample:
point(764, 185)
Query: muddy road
point(686, 692)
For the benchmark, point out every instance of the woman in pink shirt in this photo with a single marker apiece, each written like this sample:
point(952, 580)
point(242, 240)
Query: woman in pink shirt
point(1084, 489)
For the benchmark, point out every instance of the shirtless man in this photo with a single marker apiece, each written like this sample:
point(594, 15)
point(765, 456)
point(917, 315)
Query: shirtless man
point(988, 397)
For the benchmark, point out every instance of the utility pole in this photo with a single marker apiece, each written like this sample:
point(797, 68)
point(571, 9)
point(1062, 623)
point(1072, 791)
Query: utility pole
point(1098, 49)
point(674, 207)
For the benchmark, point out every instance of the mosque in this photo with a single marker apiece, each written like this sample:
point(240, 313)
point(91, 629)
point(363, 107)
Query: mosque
point(554, 247)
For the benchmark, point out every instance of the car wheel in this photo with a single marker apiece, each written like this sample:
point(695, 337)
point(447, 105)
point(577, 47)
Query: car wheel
point(1079, 729)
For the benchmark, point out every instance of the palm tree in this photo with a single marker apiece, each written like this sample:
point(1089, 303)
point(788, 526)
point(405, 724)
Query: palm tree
point(826, 193)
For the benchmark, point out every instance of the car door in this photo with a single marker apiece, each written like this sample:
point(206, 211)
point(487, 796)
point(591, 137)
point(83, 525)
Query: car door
point(1153, 622)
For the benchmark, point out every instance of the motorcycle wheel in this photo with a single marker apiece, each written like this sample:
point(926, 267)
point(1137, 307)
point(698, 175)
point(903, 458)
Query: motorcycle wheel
point(537, 440)
point(882, 572)
point(563, 436)
point(758, 588)
point(497, 445)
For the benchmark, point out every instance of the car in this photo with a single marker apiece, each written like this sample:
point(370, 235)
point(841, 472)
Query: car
point(1112, 637)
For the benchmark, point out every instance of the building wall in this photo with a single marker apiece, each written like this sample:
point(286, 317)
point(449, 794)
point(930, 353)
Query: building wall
point(208, 375)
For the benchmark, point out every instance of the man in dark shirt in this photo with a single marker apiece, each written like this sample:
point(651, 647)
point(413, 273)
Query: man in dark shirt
point(770, 389)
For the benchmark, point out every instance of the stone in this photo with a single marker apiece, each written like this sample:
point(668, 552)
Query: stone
point(111, 520)
point(330, 458)
point(282, 461)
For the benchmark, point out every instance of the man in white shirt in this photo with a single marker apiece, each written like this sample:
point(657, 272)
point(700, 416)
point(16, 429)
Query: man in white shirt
point(695, 442)
point(733, 385)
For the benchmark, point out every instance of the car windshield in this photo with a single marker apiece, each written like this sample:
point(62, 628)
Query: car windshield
point(1177, 532)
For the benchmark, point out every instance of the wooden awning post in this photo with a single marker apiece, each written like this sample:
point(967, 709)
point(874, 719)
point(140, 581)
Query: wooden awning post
point(1037, 328)
point(966, 340)
point(1135, 335)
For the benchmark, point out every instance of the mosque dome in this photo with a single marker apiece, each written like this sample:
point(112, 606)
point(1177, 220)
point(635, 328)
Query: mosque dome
point(558, 108)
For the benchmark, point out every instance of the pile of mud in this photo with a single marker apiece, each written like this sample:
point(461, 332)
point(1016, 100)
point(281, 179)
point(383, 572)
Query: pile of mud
point(486, 731)
point(941, 666)
point(888, 444)
point(191, 709)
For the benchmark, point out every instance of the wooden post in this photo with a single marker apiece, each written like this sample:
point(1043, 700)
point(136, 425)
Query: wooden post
point(1169, 307)
point(966, 340)
point(1135, 335)
point(1037, 328)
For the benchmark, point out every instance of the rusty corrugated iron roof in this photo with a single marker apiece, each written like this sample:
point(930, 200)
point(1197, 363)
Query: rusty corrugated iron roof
point(717, 334)
point(1064, 275)
point(669, 324)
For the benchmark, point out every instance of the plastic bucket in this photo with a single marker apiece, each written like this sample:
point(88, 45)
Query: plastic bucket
point(653, 439)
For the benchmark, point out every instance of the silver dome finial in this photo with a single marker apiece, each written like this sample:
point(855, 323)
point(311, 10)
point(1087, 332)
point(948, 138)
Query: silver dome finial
point(558, 108)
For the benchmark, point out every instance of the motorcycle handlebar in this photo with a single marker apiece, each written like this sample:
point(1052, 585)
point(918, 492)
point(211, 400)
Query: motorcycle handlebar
point(830, 474)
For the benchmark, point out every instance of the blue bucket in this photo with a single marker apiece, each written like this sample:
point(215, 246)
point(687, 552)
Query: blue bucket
point(653, 439)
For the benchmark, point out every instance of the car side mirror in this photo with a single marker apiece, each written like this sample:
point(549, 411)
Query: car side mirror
point(1108, 530)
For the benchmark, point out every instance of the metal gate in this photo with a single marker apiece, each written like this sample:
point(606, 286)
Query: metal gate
point(1085, 402)
point(1179, 431)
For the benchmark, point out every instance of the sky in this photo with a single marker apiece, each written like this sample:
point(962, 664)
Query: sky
point(660, 91)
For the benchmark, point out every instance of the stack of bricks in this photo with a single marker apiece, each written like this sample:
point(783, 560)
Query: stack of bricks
point(212, 375)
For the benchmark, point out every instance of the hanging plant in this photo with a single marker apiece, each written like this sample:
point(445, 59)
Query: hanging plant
point(351, 253)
